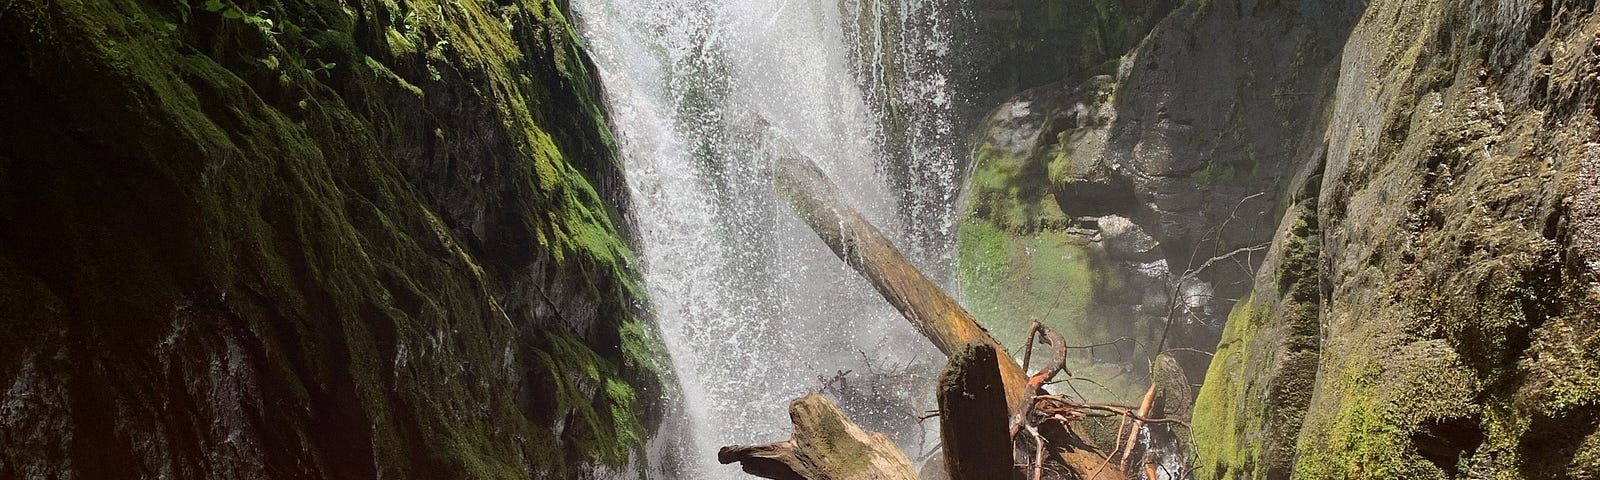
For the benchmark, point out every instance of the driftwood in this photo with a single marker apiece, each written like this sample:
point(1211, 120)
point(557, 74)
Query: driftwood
point(973, 416)
point(1138, 422)
point(825, 445)
point(864, 248)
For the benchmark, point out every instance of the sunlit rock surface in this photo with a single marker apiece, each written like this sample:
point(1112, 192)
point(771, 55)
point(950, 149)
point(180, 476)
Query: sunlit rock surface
point(1439, 263)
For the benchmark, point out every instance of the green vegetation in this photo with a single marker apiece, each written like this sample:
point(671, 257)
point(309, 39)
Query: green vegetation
point(440, 308)
point(1014, 281)
point(1012, 192)
point(1228, 427)
point(1456, 337)
point(1017, 264)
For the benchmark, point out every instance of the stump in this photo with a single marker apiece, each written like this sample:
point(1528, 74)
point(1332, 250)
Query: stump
point(973, 416)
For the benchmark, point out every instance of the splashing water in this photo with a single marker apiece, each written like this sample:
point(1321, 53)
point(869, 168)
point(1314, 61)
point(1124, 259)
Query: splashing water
point(752, 306)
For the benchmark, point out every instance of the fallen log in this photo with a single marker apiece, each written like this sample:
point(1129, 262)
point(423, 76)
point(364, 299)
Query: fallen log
point(937, 316)
point(973, 416)
point(825, 445)
point(856, 241)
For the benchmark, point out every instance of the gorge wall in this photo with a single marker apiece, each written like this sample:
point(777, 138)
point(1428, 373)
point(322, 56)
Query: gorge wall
point(1400, 194)
point(1123, 197)
point(1431, 307)
point(369, 239)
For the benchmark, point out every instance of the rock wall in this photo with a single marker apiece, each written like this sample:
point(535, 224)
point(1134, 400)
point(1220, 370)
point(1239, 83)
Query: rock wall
point(1111, 204)
point(1023, 44)
point(1454, 327)
point(374, 239)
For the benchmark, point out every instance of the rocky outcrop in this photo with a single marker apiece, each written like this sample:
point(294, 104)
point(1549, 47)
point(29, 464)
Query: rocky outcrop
point(1027, 255)
point(1442, 265)
point(1149, 195)
point(313, 240)
point(1253, 403)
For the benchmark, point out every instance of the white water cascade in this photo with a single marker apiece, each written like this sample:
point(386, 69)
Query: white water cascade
point(753, 307)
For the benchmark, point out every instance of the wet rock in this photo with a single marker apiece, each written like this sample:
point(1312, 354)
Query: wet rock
point(313, 240)
point(1429, 297)
point(1125, 241)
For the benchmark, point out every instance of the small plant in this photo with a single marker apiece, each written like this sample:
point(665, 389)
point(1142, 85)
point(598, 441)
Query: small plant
point(231, 10)
point(315, 65)
point(409, 21)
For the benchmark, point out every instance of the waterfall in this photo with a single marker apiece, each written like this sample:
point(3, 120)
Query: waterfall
point(754, 309)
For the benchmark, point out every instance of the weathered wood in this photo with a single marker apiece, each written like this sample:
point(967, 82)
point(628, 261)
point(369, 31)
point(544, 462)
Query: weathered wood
point(864, 248)
point(825, 445)
point(973, 416)
point(1138, 423)
point(937, 316)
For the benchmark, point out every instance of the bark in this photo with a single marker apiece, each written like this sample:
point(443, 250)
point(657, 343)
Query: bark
point(1138, 422)
point(856, 241)
point(973, 416)
point(825, 445)
point(937, 316)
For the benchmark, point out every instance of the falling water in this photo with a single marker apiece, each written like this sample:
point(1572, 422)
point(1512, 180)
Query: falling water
point(753, 307)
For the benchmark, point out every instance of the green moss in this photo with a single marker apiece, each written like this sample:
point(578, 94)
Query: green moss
point(1009, 282)
point(1229, 416)
point(1013, 193)
point(1252, 406)
point(288, 210)
point(1018, 262)
point(1215, 172)
point(1050, 276)
point(605, 426)
point(642, 348)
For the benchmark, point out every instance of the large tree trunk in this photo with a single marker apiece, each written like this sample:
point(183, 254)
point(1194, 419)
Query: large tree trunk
point(864, 248)
point(825, 445)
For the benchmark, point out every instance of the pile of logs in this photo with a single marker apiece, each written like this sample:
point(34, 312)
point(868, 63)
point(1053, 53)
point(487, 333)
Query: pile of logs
point(995, 420)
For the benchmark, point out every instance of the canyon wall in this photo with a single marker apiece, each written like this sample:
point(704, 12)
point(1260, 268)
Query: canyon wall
point(368, 239)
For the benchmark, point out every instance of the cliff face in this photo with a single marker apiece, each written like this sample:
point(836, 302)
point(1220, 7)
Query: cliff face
point(1418, 287)
point(1023, 44)
point(1111, 204)
point(313, 240)
point(1444, 263)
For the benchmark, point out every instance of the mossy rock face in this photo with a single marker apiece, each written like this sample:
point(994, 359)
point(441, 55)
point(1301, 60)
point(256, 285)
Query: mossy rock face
point(1456, 313)
point(1031, 249)
point(314, 240)
point(1462, 322)
point(1248, 416)
point(1195, 140)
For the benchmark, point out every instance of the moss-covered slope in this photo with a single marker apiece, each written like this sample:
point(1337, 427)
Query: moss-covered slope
point(1024, 257)
point(1252, 405)
point(1194, 140)
point(1459, 308)
point(311, 239)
